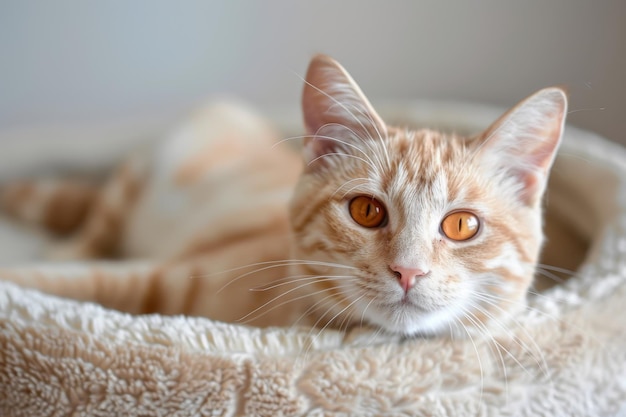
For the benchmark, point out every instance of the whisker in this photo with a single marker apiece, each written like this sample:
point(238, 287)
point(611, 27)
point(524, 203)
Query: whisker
point(351, 189)
point(282, 262)
point(541, 359)
point(556, 269)
point(299, 278)
point(348, 144)
point(285, 302)
point(271, 265)
point(587, 109)
point(340, 104)
point(338, 154)
point(369, 117)
point(312, 307)
point(497, 346)
point(480, 364)
point(364, 310)
point(330, 321)
point(369, 141)
point(550, 275)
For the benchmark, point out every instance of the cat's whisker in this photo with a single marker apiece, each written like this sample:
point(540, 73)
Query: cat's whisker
point(329, 154)
point(480, 325)
point(328, 322)
point(282, 262)
point(535, 350)
point(364, 180)
point(369, 117)
point(364, 311)
point(348, 144)
point(586, 109)
point(352, 189)
point(362, 111)
point(369, 141)
point(540, 312)
point(287, 139)
point(243, 319)
point(551, 297)
point(274, 264)
point(284, 280)
point(344, 107)
point(336, 315)
point(481, 328)
point(313, 307)
point(347, 319)
point(376, 334)
point(453, 332)
point(550, 275)
point(556, 268)
point(480, 363)
point(304, 353)
point(300, 278)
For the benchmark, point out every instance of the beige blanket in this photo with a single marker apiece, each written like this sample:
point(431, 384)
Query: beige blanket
point(565, 356)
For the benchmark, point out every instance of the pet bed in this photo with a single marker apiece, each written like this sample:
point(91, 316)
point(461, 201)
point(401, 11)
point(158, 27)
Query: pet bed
point(566, 355)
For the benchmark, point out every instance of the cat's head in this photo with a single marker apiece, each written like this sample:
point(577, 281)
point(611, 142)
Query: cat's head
point(427, 231)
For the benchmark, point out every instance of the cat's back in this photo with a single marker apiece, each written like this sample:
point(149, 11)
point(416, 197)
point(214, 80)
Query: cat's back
point(220, 176)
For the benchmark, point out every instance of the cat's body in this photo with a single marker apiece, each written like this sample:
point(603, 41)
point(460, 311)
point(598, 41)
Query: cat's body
point(413, 231)
point(174, 221)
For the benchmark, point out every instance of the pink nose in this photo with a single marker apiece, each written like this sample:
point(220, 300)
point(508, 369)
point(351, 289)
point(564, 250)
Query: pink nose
point(406, 276)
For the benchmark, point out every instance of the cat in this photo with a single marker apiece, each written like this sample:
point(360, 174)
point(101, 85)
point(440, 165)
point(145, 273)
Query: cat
point(411, 231)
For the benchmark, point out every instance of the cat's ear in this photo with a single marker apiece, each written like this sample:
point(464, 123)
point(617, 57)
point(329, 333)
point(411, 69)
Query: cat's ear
point(523, 142)
point(336, 112)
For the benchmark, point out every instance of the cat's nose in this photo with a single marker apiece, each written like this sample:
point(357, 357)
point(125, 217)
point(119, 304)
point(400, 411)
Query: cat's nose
point(407, 276)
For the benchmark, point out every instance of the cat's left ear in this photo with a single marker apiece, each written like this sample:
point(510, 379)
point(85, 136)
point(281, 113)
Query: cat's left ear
point(336, 112)
point(523, 142)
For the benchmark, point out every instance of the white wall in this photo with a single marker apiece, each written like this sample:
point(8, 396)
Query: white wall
point(65, 61)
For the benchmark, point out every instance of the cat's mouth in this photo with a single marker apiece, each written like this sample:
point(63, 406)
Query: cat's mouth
point(405, 303)
point(411, 303)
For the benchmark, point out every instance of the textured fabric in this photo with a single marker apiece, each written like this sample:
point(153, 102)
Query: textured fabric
point(566, 355)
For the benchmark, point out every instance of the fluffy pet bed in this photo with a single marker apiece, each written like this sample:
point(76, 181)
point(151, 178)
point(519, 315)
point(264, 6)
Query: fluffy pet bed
point(565, 356)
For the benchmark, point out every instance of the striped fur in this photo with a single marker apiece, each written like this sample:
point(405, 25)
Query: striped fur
point(202, 224)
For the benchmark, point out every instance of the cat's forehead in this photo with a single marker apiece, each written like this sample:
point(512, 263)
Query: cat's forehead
point(426, 147)
point(422, 168)
point(424, 157)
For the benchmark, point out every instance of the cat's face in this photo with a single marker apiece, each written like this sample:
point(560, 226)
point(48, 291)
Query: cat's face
point(418, 231)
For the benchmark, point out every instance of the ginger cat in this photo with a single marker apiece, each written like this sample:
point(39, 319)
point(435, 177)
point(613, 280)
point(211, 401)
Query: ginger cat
point(417, 232)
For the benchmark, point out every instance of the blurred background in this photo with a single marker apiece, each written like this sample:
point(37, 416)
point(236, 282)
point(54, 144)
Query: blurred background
point(84, 61)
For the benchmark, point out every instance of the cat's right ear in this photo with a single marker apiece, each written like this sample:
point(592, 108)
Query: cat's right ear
point(522, 144)
point(336, 112)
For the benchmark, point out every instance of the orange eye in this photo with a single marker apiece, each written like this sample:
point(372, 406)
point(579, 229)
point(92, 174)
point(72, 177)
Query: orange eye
point(460, 225)
point(367, 211)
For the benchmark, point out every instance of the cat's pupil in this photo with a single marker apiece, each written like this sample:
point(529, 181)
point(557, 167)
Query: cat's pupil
point(460, 225)
point(367, 212)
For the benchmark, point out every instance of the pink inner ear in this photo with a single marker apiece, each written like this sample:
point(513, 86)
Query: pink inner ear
point(532, 187)
point(334, 106)
point(524, 141)
point(316, 146)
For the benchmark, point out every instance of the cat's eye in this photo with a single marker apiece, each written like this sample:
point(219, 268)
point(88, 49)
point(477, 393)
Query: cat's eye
point(460, 225)
point(368, 212)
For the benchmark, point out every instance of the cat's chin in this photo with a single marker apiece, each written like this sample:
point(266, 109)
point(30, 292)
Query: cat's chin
point(411, 320)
